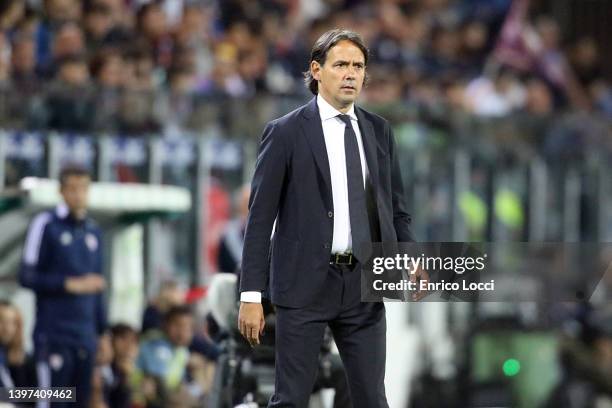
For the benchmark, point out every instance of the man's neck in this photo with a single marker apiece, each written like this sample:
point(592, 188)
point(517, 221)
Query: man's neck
point(343, 109)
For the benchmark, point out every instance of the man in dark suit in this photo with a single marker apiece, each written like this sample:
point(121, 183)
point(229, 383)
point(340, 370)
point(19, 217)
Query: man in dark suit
point(328, 173)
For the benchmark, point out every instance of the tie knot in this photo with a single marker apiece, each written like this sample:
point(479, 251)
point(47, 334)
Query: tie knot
point(345, 118)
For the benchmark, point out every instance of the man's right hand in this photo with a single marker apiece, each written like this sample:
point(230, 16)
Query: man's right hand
point(85, 285)
point(251, 321)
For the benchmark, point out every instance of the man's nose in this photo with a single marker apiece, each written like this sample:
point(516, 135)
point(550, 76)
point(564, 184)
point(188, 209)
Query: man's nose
point(350, 73)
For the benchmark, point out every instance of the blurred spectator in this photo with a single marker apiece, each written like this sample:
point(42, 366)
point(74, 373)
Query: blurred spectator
point(474, 42)
point(98, 24)
point(16, 368)
point(58, 11)
point(587, 365)
point(65, 110)
point(68, 40)
point(5, 61)
point(443, 59)
point(102, 377)
point(11, 12)
point(23, 64)
point(170, 295)
point(106, 68)
point(196, 32)
point(176, 54)
point(601, 95)
point(62, 264)
point(538, 98)
point(585, 58)
point(166, 359)
point(232, 240)
point(495, 97)
point(252, 67)
point(152, 26)
point(124, 340)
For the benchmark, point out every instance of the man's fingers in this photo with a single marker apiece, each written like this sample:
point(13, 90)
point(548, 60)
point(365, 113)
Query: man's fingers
point(254, 336)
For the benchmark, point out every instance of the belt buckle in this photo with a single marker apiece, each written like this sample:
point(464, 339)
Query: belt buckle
point(350, 259)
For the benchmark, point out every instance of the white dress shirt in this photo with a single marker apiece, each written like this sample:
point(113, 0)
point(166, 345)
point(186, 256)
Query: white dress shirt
point(333, 132)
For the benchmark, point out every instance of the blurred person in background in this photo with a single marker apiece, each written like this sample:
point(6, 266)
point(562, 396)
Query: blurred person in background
point(538, 98)
point(474, 41)
point(124, 341)
point(585, 59)
point(600, 92)
point(253, 67)
point(98, 24)
point(152, 27)
point(62, 264)
point(5, 61)
point(23, 64)
point(59, 11)
point(170, 294)
point(55, 14)
point(69, 39)
point(496, 95)
point(70, 102)
point(102, 377)
point(164, 358)
point(586, 359)
point(196, 31)
point(137, 109)
point(106, 68)
point(16, 368)
point(232, 240)
point(66, 40)
point(11, 12)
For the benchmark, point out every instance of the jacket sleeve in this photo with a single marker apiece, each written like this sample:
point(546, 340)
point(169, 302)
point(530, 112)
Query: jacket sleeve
point(401, 217)
point(266, 188)
point(101, 316)
point(36, 255)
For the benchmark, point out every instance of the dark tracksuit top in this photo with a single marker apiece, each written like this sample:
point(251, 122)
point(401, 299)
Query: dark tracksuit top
point(58, 246)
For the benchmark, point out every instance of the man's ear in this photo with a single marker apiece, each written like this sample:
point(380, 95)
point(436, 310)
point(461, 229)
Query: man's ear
point(315, 70)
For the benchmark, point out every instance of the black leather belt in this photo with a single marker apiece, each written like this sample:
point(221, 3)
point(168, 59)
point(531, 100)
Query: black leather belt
point(342, 259)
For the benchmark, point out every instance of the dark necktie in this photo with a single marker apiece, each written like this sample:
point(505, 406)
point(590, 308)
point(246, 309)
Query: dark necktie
point(358, 212)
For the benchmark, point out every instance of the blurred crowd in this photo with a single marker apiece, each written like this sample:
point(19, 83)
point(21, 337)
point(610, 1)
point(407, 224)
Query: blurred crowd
point(168, 362)
point(81, 64)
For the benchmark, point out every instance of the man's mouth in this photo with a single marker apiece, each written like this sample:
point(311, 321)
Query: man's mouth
point(348, 87)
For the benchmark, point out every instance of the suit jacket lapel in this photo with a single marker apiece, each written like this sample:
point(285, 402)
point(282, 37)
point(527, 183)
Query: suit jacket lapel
point(369, 146)
point(313, 130)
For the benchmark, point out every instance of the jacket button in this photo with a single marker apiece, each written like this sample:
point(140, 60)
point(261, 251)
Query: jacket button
point(326, 246)
point(330, 214)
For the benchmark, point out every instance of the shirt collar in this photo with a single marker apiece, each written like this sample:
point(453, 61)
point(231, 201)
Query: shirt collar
point(326, 111)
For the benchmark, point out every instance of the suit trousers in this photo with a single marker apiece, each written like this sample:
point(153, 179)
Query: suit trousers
point(359, 330)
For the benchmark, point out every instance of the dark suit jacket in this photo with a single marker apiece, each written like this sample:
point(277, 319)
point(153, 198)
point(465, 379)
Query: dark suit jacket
point(292, 184)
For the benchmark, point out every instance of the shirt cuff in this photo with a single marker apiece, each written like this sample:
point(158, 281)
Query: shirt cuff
point(250, 297)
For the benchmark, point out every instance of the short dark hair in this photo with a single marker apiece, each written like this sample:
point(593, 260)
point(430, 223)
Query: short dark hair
point(72, 170)
point(122, 330)
point(325, 43)
point(176, 312)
